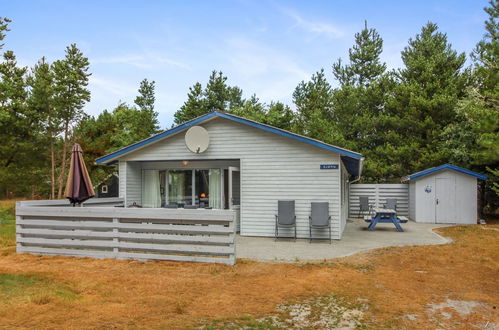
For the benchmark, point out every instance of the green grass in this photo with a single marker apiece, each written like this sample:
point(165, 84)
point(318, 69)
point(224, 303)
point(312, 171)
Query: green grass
point(34, 288)
point(7, 226)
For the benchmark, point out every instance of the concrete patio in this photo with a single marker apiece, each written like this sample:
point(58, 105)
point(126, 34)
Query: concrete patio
point(355, 239)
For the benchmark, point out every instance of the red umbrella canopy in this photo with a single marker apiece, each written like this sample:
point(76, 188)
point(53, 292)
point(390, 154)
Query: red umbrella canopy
point(79, 186)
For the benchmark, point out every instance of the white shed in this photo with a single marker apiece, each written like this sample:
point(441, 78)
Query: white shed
point(444, 194)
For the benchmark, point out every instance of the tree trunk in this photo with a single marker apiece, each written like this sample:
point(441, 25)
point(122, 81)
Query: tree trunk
point(52, 166)
point(63, 164)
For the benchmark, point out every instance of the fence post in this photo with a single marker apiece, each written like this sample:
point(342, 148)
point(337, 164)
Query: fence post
point(376, 196)
point(18, 236)
point(115, 238)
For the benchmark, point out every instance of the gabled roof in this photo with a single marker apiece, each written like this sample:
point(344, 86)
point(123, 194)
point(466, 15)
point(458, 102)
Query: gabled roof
point(432, 170)
point(351, 159)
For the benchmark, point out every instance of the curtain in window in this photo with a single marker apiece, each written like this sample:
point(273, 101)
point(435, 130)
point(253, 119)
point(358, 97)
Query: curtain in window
point(215, 188)
point(151, 196)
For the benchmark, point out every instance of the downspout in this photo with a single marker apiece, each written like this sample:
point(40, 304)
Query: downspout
point(361, 165)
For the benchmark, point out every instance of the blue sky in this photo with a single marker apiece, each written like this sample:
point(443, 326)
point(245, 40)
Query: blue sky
point(264, 47)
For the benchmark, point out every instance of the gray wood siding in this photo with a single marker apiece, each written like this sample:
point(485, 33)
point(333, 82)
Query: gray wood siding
point(122, 175)
point(133, 183)
point(272, 168)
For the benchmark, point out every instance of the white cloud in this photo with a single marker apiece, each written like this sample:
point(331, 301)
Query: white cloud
point(316, 27)
point(148, 60)
point(117, 88)
point(261, 69)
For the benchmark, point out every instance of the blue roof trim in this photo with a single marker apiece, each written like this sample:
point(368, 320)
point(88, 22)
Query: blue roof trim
point(343, 152)
point(432, 170)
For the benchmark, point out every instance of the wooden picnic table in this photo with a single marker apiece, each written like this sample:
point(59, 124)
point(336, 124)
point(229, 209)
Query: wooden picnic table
point(385, 216)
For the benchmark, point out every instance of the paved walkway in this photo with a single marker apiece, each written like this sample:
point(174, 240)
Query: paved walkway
point(355, 239)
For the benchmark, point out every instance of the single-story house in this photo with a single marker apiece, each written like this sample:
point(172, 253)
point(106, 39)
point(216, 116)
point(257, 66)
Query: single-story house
point(222, 161)
point(444, 194)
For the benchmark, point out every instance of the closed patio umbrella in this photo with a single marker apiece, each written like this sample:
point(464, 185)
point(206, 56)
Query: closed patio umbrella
point(79, 186)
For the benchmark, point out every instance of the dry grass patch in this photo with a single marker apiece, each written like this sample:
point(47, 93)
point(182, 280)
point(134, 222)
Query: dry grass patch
point(393, 287)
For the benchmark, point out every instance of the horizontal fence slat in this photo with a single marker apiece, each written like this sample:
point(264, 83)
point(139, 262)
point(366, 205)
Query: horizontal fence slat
point(200, 215)
point(125, 235)
point(121, 255)
point(378, 194)
point(147, 227)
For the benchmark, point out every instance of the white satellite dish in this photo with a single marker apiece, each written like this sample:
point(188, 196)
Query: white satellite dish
point(197, 139)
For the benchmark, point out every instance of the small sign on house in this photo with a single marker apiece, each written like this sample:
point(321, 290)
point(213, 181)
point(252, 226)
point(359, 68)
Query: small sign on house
point(329, 166)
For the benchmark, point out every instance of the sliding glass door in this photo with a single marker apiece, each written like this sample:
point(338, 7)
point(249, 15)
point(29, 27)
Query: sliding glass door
point(199, 187)
point(208, 188)
point(180, 187)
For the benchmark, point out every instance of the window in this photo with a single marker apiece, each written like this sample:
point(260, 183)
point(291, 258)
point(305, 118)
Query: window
point(103, 189)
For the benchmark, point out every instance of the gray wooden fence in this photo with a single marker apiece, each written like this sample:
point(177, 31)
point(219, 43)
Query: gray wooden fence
point(45, 227)
point(378, 193)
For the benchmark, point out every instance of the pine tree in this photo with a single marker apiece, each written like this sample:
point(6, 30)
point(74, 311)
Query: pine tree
point(145, 103)
point(216, 96)
point(14, 127)
point(313, 102)
point(365, 65)
point(358, 102)
point(41, 100)
point(193, 107)
point(423, 104)
point(71, 94)
point(4, 27)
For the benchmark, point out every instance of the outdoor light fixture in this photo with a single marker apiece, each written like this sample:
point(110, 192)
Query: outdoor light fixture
point(185, 162)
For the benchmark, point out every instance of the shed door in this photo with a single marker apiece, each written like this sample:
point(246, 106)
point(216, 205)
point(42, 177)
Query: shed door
point(445, 193)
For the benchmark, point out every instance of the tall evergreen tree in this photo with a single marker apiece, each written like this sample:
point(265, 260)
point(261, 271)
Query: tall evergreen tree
point(145, 103)
point(313, 100)
point(473, 140)
point(14, 128)
point(41, 100)
point(4, 27)
point(365, 65)
point(358, 103)
point(71, 94)
point(427, 91)
point(216, 96)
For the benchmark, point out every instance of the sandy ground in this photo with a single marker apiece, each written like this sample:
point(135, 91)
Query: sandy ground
point(446, 286)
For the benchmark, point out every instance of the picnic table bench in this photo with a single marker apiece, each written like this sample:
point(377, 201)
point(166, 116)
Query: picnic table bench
point(385, 216)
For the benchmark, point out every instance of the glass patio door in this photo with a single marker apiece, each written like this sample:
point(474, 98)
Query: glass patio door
point(234, 188)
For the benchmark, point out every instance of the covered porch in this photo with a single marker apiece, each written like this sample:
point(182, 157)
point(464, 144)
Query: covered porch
point(181, 184)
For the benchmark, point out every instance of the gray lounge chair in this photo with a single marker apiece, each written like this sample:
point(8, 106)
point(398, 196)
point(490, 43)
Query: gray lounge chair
point(364, 205)
point(391, 203)
point(171, 206)
point(190, 207)
point(285, 217)
point(319, 218)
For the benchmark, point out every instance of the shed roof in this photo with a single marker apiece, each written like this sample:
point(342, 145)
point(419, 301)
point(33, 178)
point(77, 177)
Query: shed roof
point(352, 160)
point(432, 170)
